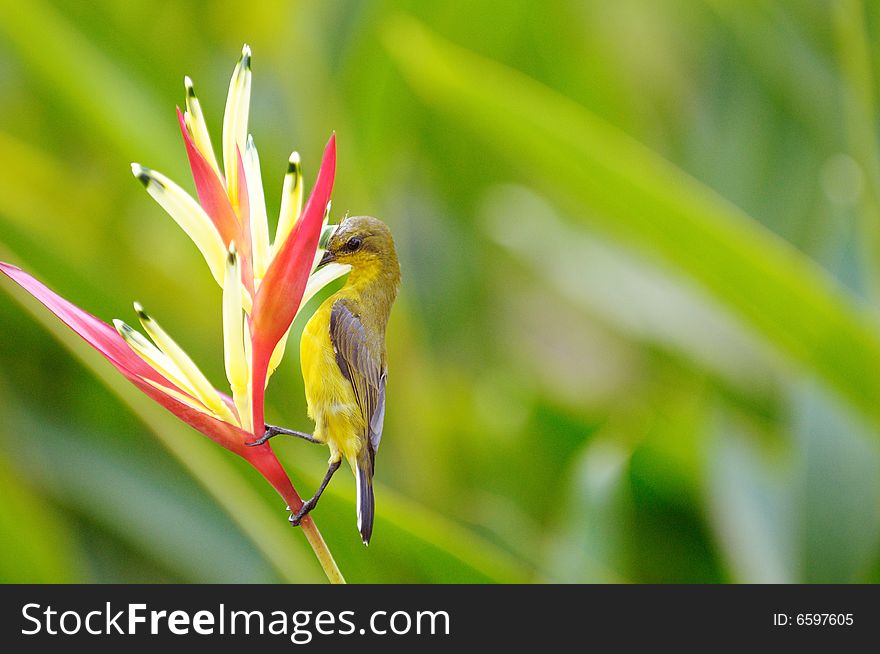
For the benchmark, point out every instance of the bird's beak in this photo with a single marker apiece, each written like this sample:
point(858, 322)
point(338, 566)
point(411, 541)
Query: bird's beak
point(327, 258)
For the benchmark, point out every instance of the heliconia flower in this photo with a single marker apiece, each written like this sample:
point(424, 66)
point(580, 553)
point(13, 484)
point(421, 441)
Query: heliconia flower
point(264, 284)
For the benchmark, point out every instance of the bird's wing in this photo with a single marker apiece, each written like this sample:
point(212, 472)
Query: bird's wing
point(361, 367)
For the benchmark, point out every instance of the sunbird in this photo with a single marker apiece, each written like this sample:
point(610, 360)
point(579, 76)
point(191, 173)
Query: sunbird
point(342, 354)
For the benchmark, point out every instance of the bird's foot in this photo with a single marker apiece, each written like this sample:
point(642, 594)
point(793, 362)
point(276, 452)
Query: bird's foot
point(269, 433)
point(272, 430)
point(296, 519)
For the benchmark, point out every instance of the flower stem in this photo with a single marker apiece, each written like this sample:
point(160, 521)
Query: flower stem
point(325, 558)
point(264, 460)
point(316, 540)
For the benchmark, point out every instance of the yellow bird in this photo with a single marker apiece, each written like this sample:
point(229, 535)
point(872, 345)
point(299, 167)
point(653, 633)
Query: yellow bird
point(342, 353)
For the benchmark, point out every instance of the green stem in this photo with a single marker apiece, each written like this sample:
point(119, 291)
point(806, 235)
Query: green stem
point(325, 558)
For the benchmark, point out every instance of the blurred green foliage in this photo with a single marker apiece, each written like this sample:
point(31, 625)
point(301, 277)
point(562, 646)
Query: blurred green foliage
point(637, 339)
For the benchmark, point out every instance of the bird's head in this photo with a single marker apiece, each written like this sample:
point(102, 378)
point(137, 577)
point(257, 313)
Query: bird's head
point(362, 242)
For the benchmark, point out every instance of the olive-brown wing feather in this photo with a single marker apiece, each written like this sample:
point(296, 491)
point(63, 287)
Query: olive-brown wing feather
point(362, 368)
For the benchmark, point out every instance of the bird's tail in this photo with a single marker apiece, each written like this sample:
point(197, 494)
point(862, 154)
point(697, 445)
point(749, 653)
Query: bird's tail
point(365, 502)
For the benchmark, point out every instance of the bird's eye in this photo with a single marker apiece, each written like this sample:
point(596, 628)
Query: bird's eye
point(353, 244)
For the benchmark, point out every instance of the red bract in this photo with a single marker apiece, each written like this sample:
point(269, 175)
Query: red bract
point(279, 297)
point(111, 345)
point(216, 203)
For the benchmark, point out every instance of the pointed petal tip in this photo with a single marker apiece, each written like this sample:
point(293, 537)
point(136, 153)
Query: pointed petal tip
point(144, 175)
point(246, 56)
point(128, 333)
point(330, 149)
point(188, 85)
point(293, 162)
point(139, 310)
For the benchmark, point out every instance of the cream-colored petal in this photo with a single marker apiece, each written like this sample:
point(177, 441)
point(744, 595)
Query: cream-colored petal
point(259, 219)
point(185, 399)
point(237, 371)
point(195, 121)
point(235, 121)
point(154, 357)
point(291, 202)
point(248, 353)
point(187, 213)
point(204, 391)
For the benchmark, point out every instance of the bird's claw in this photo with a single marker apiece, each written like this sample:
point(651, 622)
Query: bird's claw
point(296, 519)
point(262, 439)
